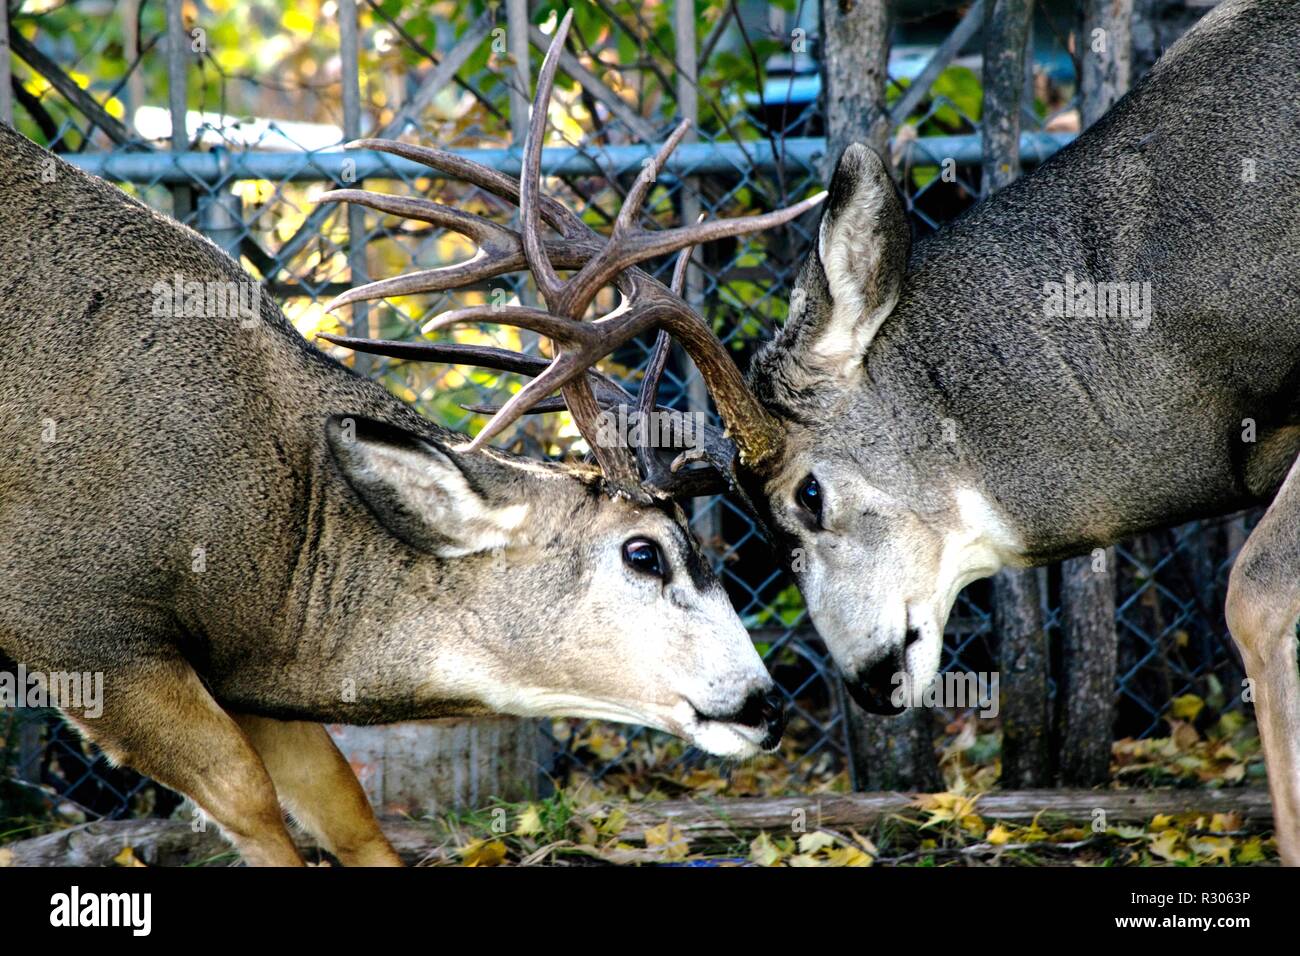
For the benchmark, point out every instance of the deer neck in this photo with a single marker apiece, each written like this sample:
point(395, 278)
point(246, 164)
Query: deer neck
point(1085, 430)
point(358, 627)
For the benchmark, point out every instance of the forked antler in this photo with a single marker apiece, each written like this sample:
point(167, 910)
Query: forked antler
point(597, 263)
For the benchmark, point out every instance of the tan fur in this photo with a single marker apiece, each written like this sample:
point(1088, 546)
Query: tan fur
point(315, 784)
point(1262, 609)
point(159, 719)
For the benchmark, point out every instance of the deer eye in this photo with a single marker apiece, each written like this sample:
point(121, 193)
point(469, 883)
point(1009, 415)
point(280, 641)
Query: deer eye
point(643, 555)
point(810, 498)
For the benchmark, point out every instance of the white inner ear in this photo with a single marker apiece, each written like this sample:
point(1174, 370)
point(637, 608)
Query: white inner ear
point(436, 490)
point(849, 248)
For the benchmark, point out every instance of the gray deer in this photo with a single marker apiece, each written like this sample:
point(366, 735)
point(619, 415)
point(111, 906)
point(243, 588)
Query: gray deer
point(1107, 346)
point(245, 538)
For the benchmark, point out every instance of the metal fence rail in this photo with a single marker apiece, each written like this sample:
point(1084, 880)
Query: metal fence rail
point(249, 187)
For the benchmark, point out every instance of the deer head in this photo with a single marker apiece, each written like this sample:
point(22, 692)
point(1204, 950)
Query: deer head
point(657, 608)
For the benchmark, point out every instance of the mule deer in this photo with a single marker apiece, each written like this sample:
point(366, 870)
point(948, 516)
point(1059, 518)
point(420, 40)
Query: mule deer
point(930, 414)
point(245, 538)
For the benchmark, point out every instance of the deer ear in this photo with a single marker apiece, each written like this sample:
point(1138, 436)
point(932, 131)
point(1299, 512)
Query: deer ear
point(862, 249)
point(417, 490)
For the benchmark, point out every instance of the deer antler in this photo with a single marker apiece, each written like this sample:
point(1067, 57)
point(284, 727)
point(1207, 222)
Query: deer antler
point(645, 302)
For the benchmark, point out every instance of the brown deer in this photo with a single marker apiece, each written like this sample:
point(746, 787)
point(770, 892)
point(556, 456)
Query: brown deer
point(1107, 346)
point(246, 539)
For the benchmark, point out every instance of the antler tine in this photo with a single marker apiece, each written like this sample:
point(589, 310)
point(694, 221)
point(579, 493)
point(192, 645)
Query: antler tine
point(483, 356)
point(645, 181)
point(608, 391)
point(546, 406)
point(465, 273)
point(482, 231)
point(643, 244)
point(555, 213)
point(654, 370)
point(530, 179)
point(595, 274)
point(503, 256)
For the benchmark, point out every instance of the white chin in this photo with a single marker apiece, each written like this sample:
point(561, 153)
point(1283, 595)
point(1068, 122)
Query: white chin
point(726, 740)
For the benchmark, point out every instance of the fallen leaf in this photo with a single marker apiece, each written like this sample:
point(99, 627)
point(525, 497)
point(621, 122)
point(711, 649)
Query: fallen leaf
point(817, 840)
point(999, 835)
point(849, 856)
point(1186, 707)
point(126, 857)
point(1252, 851)
point(530, 821)
point(483, 853)
point(1213, 848)
point(671, 843)
point(763, 852)
point(1165, 846)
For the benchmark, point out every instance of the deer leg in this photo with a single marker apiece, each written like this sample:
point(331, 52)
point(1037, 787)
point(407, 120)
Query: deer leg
point(317, 786)
point(1263, 606)
point(159, 719)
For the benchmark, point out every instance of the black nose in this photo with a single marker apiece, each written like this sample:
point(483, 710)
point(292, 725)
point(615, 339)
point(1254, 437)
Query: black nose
point(874, 687)
point(766, 710)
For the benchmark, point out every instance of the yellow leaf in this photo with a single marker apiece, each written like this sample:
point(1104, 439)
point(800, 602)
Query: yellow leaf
point(1252, 851)
point(483, 853)
point(804, 859)
point(530, 821)
point(6, 857)
point(949, 808)
point(848, 856)
point(1165, 846)
point(1161, 821)
point(671, 841)
point(297, 21)
point(818, 840)
point(763, 852)
point(705, 779)
point(613, 824)
point(1230, 723)
point(126, 857)
point(1225, 822)
point(999, 835)
point(1128, 832)
point(1213, 848)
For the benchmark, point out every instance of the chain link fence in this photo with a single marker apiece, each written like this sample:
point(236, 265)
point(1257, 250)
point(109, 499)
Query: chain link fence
point(248, 182)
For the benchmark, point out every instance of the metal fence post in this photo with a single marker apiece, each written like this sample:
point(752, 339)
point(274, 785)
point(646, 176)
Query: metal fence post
point(221, 217)
point(349, 56)
point(1006, 34)
point(517, 22)
point(855, 76)
point(1090, 642)
point(6, 68)
point(1106, 55)
point(177, 100)
point(1017, 597)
